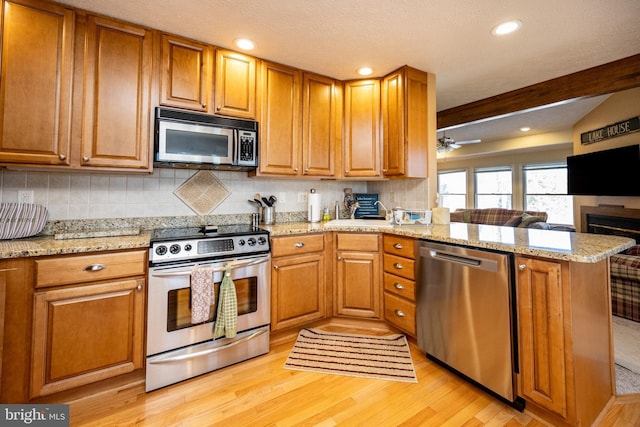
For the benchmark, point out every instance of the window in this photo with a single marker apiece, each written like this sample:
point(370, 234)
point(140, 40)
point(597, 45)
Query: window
point(545, 190)
point(494, 188)
point(452, 188)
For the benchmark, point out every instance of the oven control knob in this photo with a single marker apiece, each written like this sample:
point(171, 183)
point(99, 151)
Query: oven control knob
point(241, 242)
point(262, 240)
point(251, 241)
point(188, 247)
point(161, 250)
point(174, 249)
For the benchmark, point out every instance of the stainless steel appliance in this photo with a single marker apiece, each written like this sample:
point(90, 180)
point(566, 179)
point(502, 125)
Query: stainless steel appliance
point(465, 314)
point(196, 140)
point(176, 348)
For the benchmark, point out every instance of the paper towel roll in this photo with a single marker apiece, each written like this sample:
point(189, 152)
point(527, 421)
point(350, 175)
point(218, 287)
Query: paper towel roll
point(440, 216)
point(315, 211)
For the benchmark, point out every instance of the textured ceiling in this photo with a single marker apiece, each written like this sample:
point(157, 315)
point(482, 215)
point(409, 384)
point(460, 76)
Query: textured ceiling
point(450, 38)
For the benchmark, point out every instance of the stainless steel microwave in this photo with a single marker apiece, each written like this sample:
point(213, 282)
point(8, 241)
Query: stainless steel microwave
point(195, 140)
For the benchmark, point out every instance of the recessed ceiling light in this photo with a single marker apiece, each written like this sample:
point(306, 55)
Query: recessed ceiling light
point(525, 128)
point(244, 44)
point(365, 71)
point(506, 28)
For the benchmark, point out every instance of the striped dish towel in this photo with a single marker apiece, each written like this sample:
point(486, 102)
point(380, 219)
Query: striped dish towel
point(227, 317)
point(201, 293)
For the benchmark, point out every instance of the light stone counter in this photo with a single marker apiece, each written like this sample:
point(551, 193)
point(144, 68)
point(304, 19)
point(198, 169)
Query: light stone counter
point(48, 245)
point(578, 247)
point(563, 245)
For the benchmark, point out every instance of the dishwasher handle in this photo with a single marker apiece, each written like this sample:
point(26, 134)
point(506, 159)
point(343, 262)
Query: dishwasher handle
point(467, 261)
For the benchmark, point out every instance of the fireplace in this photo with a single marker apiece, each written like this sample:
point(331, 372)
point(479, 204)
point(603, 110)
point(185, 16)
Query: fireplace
point(612, 220)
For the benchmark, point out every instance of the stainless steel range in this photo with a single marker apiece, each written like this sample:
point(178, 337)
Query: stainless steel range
point(177, 349)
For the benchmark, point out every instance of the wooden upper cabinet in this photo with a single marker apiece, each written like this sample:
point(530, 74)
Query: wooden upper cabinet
point(361, 151)
point(408, 121)
point(235, 84)
point(280, 119)
point(35, 83)
point(116, 111)
point(320, 120)
point(187, 74)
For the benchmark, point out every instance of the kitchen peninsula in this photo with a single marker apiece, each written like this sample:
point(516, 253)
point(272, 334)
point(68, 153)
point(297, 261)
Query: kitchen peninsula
point(569, 271)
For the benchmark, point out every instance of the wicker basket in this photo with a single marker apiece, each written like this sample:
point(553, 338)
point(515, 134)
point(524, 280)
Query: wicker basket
point(21, 220)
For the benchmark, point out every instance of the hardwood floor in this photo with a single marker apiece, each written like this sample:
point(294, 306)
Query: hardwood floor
point(259, 392)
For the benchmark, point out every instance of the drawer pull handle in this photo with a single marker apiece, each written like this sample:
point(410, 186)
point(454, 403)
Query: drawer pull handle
point(399, 313)
point(398, 266)
point(398, 246)
point(299, 245)
point(95, 267)
point(276, 267)
point(139, 287)
point(522, 267)
point(398, 286)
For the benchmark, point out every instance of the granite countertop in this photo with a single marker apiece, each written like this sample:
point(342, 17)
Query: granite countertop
point(563, 245)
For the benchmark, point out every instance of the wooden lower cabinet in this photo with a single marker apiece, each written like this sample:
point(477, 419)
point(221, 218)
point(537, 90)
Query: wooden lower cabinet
point(358, 276)
point(298, 285)
point(85, 334)
point(565, 346)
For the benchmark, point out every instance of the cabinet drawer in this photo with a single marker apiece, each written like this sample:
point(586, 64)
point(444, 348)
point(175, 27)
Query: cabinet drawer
point(298, 244)
point(357, 242)
point(63, 270)
point(400, 266)
point(400, 286)
point(398, 245)
point(400, 312)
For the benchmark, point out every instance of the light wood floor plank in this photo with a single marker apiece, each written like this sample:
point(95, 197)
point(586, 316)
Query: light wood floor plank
point(260, 392)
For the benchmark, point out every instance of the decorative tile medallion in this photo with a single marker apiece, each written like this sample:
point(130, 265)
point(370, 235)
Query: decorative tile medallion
point(203, 192)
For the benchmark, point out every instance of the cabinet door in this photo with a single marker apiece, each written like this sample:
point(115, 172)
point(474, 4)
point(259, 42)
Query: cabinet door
point(86, 334)
point(393, 149)
point(187, 73)
point(358, 284)
point(117, 88)
point(297, 290)
point(235, 87)
point(280, 120)
point(408, 116)
point(318, 125)
point(35, 82)
point(543, 373)
point(361, 155)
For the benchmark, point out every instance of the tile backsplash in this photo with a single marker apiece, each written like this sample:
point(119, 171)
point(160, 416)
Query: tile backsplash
point(80, 195)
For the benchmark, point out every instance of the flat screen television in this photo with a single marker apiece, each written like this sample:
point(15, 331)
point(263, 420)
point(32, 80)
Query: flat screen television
point(614, 172)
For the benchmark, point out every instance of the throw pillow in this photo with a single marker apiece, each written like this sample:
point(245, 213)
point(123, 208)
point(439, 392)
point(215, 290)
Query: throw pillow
point(513, 221)
point(528, 220)
point(633, 250)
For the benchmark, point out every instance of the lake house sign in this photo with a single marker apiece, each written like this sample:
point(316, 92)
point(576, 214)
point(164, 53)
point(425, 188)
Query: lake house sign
point(611, 131)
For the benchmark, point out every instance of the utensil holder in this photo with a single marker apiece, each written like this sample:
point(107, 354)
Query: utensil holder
point(268, 214)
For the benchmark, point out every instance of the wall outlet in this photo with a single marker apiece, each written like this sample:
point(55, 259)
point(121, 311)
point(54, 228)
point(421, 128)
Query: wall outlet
point(282, 197)
point(302, 197)
point(25, 196)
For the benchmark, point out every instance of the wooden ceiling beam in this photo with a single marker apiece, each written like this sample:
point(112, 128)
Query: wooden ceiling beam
point(607, 78)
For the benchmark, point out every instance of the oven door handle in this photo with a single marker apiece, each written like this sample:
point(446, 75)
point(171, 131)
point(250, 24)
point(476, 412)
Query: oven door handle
point(215, 269)
point(187, 356)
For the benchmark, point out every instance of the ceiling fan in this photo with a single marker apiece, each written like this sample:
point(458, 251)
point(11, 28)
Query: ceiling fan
point(447, 144)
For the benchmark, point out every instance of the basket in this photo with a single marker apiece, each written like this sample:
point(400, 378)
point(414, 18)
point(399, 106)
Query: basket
point(21, 220)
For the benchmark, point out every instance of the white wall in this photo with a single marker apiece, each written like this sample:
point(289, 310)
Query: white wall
point(618, 107)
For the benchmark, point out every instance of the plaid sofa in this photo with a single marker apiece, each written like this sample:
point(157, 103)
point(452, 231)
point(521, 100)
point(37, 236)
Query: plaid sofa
point(504, 217)
point(625, 284)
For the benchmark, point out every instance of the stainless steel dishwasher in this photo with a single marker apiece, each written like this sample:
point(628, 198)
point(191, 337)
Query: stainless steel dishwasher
point(465, 314)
